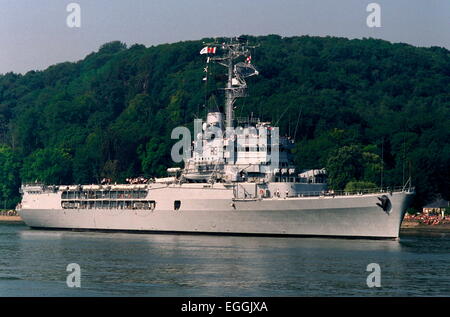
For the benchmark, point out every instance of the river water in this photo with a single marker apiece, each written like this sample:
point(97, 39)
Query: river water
point(34, 263)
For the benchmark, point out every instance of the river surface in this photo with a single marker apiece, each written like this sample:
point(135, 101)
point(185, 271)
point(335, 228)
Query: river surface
point(34, 263)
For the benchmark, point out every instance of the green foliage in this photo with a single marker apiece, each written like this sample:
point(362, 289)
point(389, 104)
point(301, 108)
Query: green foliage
point(447, 212)
point(154, 157)
point(9, 177)
point(344, 165)
point(49, 166)
point(356, 186)
point(352, 165)
point(111, 114)
point(412, 211)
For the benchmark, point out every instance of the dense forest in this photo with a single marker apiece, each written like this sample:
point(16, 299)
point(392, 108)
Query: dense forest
point(367, 110)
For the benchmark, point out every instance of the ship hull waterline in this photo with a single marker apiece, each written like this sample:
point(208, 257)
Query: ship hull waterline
point(356, 216)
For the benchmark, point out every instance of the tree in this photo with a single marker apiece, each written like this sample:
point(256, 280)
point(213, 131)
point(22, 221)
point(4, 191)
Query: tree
point(49, 165)
point(9, 177)
point(344, 165)
point(353, 166)
point(155, 157)
point(358, 186)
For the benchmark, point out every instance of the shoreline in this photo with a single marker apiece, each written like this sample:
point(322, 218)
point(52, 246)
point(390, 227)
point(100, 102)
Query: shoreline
point(418, 228)
point(10, 218)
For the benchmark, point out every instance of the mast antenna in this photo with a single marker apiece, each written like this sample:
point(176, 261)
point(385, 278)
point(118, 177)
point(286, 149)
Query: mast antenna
point(236, 86)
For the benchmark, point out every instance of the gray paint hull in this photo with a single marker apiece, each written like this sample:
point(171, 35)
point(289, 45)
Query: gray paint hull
point(340, 216)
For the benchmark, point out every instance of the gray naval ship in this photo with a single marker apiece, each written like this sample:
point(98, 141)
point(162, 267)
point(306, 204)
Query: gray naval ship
point(238, 178)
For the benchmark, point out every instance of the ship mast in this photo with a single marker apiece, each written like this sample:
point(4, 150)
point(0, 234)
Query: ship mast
point(236, 86)
point(229, 100)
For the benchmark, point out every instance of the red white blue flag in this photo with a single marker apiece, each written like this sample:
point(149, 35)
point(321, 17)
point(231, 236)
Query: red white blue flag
point(208, 50)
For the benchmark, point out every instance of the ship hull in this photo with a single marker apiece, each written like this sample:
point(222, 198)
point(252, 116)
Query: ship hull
point(341, 216)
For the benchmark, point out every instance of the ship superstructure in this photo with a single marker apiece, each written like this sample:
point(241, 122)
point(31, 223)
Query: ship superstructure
point(238, 178)
point(229, 149)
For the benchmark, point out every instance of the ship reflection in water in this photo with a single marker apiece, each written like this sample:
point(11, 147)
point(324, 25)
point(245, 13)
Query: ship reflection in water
point(33, 263)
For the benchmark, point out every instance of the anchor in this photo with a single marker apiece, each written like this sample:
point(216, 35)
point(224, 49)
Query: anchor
point(385, 204)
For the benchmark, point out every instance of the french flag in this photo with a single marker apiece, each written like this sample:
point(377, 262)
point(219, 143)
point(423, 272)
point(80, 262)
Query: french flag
point(208, 50)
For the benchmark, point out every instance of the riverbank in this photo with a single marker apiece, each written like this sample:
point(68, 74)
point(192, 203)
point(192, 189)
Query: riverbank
point(11, 218)
point(9, 215)
point(413, 227)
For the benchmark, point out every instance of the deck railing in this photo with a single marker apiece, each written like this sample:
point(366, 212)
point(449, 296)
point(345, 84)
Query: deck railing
point(366, 191)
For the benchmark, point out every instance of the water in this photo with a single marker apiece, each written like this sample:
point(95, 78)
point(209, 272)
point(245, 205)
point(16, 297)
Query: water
point(33, 263)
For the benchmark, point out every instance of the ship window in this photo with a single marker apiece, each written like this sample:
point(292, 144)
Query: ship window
point(142, 194)
point(176, 204)
point(70, 205)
